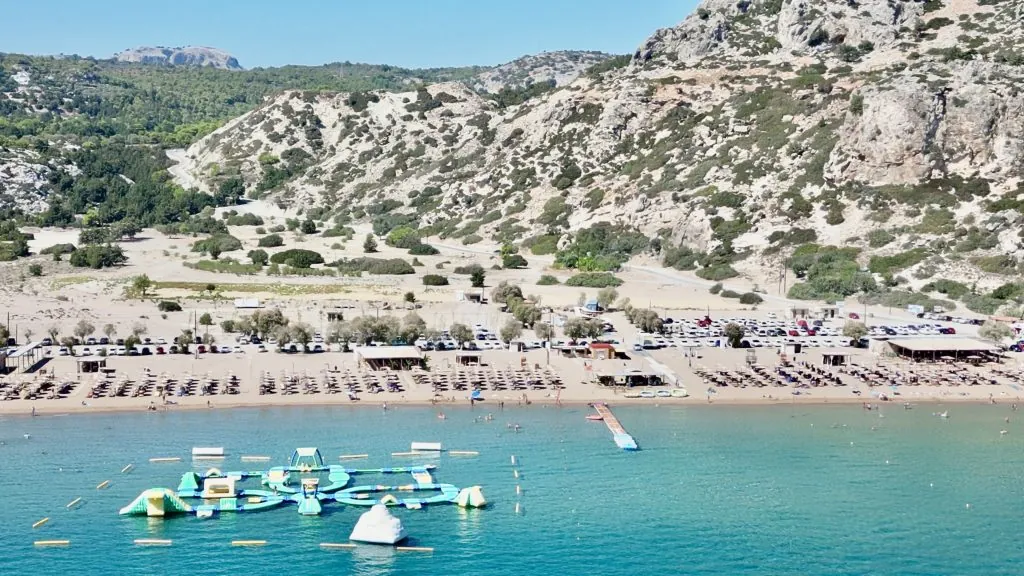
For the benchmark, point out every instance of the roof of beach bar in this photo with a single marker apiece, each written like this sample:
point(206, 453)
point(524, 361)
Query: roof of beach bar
point(389, 352)
point(943, 344)
point(26, 349)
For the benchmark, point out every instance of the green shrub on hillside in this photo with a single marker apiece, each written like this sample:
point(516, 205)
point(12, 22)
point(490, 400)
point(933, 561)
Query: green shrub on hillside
point(297, 258)
point(217, 244)
point(375, 266)
point(424, 250)
point(717, 272)
point(594, 280)
point(888, 265)
point(271, 241)
point(602, 247)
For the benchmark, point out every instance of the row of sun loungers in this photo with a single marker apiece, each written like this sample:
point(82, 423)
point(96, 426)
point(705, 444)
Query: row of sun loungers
point(489, 379)
point(45, 389)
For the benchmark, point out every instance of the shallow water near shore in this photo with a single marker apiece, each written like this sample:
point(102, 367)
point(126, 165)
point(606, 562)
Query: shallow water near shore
point(714, 490)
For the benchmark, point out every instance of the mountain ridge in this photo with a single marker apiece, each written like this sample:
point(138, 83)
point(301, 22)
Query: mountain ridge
point(748, 131)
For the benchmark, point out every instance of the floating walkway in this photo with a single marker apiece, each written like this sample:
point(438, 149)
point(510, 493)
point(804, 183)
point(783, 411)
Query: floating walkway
point(622, 438)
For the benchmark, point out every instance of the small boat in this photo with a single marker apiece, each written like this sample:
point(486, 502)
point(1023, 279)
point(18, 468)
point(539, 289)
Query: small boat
point(663, 394)
point(679, 393)
point(631, 395)
point(648, 394)
point(595, 417)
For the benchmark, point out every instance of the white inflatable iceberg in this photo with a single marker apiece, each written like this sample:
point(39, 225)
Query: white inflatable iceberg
point(378, 526)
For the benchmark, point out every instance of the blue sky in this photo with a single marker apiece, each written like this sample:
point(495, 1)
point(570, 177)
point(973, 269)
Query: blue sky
point(412, 33)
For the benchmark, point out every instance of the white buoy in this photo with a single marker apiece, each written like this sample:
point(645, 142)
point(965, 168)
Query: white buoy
point(886, 461)
point(931, 485)
point(968, 506)
point(515, 473)
point(519, 490)
point(518, 508)
point(513, 460)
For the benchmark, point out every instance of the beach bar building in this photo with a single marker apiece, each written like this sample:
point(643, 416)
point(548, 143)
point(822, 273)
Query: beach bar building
point(389, 357)
point(629, 378)
point(91, 364)
point(602, 351)
point(468, 358)
point(942, 348)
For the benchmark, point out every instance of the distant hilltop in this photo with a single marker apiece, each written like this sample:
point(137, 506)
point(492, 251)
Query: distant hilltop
point(184, 56)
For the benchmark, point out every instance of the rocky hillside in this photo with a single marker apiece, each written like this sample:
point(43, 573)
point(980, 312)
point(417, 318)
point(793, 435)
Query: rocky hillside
point(183, 56)
point(752, 129)
point(558, 68)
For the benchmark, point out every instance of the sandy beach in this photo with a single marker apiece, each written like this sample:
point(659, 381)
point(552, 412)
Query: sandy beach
point(62, 296)
point(251, 369)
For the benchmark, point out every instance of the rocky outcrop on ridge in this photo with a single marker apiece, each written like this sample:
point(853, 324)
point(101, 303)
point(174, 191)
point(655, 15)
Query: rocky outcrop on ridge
point(182, 56)
point(558, 67)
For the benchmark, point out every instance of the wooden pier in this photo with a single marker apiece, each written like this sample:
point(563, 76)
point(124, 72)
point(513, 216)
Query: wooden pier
point(622, 438)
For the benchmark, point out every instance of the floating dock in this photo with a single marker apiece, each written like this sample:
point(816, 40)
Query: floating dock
point(622, 438)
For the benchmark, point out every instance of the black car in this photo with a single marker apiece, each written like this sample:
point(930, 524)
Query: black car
point(104, 341)
point(47, 342)
point(119, 342)
point(255, 340)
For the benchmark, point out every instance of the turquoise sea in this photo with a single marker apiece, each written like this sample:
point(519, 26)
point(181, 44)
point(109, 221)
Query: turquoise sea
point(715, 490)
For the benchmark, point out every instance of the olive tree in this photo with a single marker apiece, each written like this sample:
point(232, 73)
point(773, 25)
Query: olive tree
point(460, 333)
point(734, 334)
point(855, 330)
point(995, 331)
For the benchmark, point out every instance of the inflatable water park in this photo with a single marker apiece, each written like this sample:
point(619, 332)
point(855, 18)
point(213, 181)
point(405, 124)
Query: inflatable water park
point(306, 482)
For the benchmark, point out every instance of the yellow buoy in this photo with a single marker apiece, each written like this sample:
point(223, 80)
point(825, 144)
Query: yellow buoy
point(334, 545)
point(41, 522)
point(152, 542)
point(103, 485)
point(52, 542)
point(248, 542)
point(413, 549)
point(73, 502)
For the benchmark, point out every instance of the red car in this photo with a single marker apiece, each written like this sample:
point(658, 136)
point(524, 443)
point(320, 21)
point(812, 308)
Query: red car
point(854, 316)
point(201, 349)
point(812, 332)
point(793, 333)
